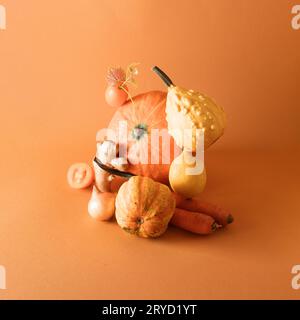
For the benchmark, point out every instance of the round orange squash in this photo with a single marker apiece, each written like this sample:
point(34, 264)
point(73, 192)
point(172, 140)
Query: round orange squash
point(149, 152)
point(144, 207)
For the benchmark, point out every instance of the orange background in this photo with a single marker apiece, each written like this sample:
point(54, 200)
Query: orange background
point(53, 59)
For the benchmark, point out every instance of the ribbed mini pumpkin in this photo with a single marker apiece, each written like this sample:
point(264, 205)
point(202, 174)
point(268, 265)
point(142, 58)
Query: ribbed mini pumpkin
point(144, 207)
point(144, 117)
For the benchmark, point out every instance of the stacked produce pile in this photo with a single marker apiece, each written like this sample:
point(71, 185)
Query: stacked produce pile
point(146, 196)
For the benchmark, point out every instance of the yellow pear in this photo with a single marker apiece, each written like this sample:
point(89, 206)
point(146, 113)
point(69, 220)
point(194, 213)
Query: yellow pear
point(187, 176)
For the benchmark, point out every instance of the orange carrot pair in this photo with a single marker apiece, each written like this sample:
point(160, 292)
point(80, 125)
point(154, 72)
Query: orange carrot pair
point(199, 217)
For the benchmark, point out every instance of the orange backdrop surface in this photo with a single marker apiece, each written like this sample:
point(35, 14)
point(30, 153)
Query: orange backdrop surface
point(53, 59)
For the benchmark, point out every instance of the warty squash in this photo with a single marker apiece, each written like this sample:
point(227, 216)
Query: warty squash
point(190, 114)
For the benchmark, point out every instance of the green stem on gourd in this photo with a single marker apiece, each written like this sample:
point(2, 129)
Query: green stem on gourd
point(163, 76)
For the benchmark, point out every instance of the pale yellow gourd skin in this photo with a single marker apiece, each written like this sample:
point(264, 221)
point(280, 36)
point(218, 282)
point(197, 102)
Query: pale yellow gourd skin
point(188, 109)
point(182, 182)
point(144, 207)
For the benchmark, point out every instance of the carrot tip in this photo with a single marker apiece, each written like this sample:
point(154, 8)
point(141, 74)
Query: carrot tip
point(230, 219)
point(214, 227)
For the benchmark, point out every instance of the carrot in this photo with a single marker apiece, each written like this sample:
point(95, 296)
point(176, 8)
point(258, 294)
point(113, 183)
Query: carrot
point(222, 216)
point(193, 221)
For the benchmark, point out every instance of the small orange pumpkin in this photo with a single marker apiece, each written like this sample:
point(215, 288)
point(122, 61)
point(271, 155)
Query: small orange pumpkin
point(144, 207)
point(145, 113)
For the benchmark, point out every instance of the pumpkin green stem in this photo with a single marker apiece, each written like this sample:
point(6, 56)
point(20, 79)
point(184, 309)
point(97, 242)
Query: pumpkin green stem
point(139, 131)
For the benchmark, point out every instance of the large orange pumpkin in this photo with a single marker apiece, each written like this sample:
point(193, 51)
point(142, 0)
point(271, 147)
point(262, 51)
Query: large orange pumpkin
point(145, 113)
point(144, 207)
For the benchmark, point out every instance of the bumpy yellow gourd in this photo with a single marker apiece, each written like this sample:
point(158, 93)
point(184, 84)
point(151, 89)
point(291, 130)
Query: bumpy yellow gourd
point(187, 111)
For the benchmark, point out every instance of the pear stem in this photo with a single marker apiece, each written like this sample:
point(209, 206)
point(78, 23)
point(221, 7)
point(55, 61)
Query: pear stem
point(163, 76)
